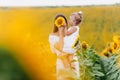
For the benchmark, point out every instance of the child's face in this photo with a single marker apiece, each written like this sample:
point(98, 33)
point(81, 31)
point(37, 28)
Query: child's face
point(72, 20)
point(81, 17)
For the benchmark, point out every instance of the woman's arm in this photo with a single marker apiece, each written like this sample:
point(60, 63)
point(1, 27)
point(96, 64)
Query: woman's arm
point(61, 38)
point(59, 52)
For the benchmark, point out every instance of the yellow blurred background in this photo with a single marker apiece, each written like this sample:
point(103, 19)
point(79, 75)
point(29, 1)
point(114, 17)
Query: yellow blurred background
point(25, 31)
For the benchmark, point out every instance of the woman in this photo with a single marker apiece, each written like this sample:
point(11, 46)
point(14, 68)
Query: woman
point(56, 39)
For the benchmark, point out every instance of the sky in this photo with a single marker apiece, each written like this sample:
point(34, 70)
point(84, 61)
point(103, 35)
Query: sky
point(56, 2)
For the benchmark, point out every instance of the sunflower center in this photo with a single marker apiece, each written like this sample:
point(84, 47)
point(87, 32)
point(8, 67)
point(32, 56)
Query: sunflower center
point(60, 22)
point(115, 45)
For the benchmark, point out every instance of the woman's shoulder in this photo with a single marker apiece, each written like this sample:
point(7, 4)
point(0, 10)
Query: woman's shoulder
point(55, 34)
point(53, 37)
point(52, 33)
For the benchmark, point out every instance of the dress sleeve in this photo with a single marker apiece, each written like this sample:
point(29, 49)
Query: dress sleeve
point(52, 42)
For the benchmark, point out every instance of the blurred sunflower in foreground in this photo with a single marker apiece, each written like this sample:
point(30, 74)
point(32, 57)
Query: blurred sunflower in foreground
point(59, 21)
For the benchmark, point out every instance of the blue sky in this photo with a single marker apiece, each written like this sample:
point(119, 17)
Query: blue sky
point(55, 2)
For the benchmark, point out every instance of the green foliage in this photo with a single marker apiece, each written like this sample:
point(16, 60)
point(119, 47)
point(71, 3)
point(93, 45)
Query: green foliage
point(109, 67)
point(95, 67)
point(90, 68)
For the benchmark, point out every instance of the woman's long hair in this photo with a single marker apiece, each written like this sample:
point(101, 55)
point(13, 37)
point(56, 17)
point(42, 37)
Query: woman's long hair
point(55, 28)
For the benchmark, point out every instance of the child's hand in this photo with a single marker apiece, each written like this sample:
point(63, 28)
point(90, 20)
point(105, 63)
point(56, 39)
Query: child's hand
point(62, 54)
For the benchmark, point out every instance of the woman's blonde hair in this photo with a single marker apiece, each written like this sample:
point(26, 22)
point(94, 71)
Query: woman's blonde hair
point(55, 28)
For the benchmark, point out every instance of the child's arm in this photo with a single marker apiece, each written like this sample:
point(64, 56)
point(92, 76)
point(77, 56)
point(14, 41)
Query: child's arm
point(66, 30)
point(70, 31)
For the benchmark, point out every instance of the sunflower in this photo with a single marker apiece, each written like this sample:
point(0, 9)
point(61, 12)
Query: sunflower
point(84, 45)
point(115, 45)
point(60, 21)
point(116, 39)
point(105, 53)
point(116, 42)
point(110, 49)
point(76, 42)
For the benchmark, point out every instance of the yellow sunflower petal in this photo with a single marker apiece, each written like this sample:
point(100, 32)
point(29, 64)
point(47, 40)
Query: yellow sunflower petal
point(60, 21)
point(116, 38)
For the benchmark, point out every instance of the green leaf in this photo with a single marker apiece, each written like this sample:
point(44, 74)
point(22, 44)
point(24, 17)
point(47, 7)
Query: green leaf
point(98, 73)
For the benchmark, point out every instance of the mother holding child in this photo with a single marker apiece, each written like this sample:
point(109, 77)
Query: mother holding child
point(64, 42)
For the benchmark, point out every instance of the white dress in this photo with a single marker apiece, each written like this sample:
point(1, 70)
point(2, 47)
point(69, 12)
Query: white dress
point(68, 42)
point(52, 40)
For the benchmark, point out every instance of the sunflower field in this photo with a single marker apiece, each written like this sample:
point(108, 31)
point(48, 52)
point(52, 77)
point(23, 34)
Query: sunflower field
point(24, 38)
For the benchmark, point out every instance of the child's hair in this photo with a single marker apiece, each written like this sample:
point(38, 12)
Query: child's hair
point(78, 17)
